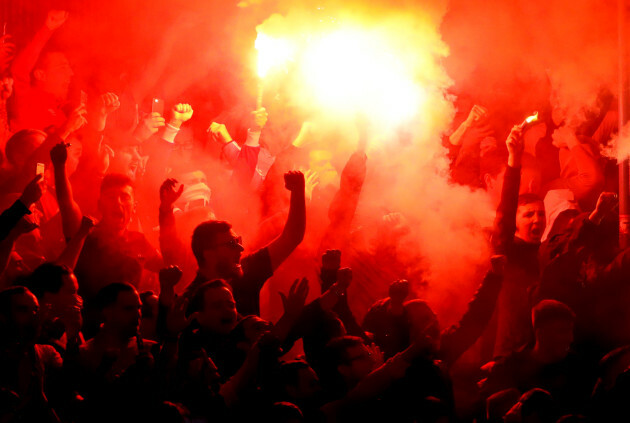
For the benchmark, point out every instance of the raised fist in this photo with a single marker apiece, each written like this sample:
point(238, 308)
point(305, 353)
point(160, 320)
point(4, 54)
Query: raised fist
point(182, 112)
point(294, 181)
point(109, 103)
point(169, 277)
point(59, 154)
point(260, 118)
point(220, 132)
point(56, 18)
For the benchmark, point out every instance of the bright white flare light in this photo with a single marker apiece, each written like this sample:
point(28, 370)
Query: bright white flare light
point(272, 52)
point(352, 70)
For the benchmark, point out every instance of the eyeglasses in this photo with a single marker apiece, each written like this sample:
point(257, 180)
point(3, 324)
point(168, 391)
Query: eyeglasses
point(236, 242)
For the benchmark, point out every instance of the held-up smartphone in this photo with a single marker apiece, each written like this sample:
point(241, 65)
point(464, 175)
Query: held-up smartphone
point(41, 168)
point(157, 106)
point(84, 98)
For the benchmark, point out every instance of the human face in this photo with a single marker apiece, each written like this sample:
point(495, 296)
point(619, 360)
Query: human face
point(128, 161)
point(359, 363)
point(555, 339)
point(24, 316)
point(219, 311)
point(124, 315)
point(308, 384)
point(531, 222)
point(24, 309)
point(56, 75)
point(225, 253)
point(68, 293)
point(117, 205)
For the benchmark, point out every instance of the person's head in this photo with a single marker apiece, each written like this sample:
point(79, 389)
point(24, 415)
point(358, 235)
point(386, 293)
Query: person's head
point(119, 304)
point(553, 323)
point(55, 285)
point(285, 412)
point(348, 360)
point(53, 74)
point(530, 218)
point(535, 405)
point(18, 315)
point(22, 144)
point(298, 381)
point(127, 161)
point(116, 202)
point(214, 307)
point(217, 249)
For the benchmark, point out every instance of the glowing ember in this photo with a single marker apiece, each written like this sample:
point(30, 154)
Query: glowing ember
point(272, 52)
point(530, 119)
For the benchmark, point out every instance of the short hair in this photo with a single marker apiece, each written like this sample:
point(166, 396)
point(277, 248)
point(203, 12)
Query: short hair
point(6, 297)
point(204, 236)
point(285, 412)
point(197, 302)
point(16, 142)
point(47, 278)
point(548, 311)
point(115, 180)
point(529, 198)
point(108, 295)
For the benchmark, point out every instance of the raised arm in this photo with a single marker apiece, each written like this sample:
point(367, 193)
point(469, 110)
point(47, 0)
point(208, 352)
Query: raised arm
point(27, 58)
point(11, 216)
point(505, 221)
point(458, 338)
point(170, 246)
point(69, 209)
point(293, 233)
point(70, 255)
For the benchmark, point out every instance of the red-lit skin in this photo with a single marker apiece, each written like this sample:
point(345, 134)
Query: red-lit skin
point(117, 206)
point(360, 363)
point(67, 296)
point(531, 222)
point(224, 259)
point(218, 315)
point(24, 314)
point(55, 75)
point(553, 341)
point(122, 319)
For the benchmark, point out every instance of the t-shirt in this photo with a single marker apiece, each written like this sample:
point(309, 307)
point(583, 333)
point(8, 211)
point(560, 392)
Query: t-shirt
point(246, 289)
point(107, 260)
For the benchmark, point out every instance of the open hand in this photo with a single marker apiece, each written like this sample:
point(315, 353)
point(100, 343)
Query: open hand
point(168, 194)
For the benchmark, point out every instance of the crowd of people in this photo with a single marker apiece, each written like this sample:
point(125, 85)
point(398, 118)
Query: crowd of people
point(127, 295)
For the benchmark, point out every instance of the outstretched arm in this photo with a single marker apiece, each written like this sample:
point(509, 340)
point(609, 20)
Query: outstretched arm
point(25, 61)
point(505, 221)
point(69, 209)
point(169, 242)
point(293, 233)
